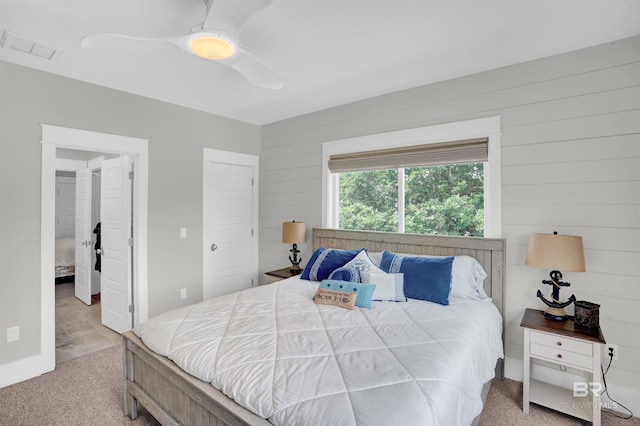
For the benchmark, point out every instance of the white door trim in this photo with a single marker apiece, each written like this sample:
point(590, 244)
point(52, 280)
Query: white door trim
point(227, 157)
point(61, 137)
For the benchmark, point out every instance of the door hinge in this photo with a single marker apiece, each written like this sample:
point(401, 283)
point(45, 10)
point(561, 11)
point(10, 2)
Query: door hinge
point(131, 175)
point(251, 231)
point(130, 242)
point(131, 309)
point(251, 181)
point(251, 282)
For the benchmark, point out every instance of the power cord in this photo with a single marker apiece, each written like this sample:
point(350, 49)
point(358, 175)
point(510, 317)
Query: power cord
point(604, 381)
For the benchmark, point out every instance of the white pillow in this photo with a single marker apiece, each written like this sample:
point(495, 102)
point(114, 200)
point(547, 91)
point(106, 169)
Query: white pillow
point(363, 263)
point(467, 275)
point(389, 287)
point(467, 278)
point(376, 257)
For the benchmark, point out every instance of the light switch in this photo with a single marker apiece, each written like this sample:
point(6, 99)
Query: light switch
point(13, 334)
point(183, 232)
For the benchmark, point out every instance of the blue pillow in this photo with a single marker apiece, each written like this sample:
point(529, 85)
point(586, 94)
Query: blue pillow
point(325, 262)
point(314, 256)
point(365, 291)
point(425, 278)
point(346, 273)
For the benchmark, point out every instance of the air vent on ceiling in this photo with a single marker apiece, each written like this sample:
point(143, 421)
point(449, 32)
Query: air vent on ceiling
point(30, 47)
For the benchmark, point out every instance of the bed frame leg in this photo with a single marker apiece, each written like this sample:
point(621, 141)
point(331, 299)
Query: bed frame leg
point(500, 369)
point(130, 403)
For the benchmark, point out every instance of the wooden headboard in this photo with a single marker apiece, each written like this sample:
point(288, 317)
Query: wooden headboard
point(490, 253)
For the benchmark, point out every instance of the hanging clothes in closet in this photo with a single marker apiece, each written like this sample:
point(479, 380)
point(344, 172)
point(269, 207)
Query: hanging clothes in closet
point(98, 249)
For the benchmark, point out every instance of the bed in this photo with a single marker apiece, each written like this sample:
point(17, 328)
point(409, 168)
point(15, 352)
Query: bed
point(65, 258)
point(371, 375)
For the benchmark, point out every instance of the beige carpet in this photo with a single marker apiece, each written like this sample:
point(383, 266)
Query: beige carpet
point(88, 391)
point(503, 407)
point(83, 391)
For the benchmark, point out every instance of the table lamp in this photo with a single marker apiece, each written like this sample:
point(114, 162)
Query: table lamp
point(555, 252)
point(294, 233)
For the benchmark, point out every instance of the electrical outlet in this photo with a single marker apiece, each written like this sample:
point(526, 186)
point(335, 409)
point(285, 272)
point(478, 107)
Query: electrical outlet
point(13, 334)
point(608, 348)
point(183, 293)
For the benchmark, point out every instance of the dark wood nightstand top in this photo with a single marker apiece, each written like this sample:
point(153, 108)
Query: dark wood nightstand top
point(535, 320)
point(283, 273)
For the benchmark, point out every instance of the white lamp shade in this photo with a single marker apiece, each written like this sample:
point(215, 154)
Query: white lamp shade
point(294, 233)
point(556, 252)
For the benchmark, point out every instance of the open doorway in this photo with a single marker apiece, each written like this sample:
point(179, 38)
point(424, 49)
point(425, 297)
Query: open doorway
point(79, 325)
point(54, 138)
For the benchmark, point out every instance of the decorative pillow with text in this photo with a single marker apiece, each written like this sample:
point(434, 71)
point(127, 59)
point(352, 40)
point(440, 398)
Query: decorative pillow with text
point(363, 291)
point(343, 299)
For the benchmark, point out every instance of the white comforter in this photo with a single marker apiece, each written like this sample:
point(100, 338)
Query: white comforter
point(278, 354)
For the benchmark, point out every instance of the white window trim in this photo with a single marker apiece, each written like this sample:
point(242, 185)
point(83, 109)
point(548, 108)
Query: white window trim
point(478, 128)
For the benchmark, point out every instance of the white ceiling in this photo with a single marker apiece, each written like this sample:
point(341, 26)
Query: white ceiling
point(331, 51)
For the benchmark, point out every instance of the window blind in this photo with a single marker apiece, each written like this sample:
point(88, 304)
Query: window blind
point(466, 151)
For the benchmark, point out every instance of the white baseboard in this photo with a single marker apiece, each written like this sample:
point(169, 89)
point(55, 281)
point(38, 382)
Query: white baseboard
point(513, 369)
point(19, 371)
point(630, 398)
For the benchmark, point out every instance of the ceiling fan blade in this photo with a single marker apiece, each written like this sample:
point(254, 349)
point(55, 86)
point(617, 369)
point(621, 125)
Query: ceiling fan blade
point(256, 71)
point(229, 15)
point(124, 42)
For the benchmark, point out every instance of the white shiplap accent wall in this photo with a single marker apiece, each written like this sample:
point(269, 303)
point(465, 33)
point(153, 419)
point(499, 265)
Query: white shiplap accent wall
point(570, 163)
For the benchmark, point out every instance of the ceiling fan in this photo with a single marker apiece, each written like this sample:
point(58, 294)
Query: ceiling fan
point(216, 39)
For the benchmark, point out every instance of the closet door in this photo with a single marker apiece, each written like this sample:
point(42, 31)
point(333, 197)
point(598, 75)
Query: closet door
point(228, 231)
point(83, 236)
point(65, 207)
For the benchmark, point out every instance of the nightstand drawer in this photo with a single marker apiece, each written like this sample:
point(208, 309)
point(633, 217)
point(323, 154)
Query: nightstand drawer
point(562, 343)
point(561, 356)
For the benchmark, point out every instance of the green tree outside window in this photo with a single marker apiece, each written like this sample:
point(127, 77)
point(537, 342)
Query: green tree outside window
point(445, 200)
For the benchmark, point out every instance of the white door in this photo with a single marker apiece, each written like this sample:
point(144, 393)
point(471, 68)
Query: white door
point(83, 236)
point(115, 217)
point(228, 234)
point(65, 207)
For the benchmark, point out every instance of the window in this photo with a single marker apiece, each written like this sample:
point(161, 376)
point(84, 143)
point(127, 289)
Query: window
point(368, 200)
point(441, 179)
point(444, 200)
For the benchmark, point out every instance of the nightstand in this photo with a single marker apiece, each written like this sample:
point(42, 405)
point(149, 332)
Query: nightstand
point(281, 274)
point(567, 345)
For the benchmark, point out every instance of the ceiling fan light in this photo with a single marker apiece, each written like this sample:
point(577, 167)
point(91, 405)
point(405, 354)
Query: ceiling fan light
point(212, 47)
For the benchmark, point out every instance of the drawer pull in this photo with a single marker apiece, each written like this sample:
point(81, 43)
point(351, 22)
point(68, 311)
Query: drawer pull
point(559, 343)
point(559, 355)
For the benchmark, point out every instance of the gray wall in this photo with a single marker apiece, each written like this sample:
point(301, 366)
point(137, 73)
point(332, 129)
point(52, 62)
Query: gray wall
point(28, 98)
point(570, 163)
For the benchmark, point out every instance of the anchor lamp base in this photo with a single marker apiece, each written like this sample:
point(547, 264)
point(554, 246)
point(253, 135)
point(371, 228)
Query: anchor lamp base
point(557, 314)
